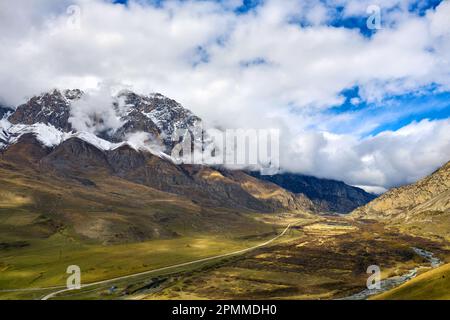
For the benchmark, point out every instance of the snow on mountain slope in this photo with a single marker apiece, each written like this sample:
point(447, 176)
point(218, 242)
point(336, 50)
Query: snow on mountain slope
point(4, 112)
point(146, 121)
point(155, 114)
point(50, 136)
point(4, 134)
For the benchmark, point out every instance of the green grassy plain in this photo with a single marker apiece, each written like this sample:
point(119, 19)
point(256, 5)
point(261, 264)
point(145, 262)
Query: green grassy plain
point(44, 263)
point(110, 229)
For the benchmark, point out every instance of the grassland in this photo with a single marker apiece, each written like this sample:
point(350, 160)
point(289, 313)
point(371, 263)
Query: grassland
point(44, 263)
point(108, 226)
point(326, 259)
point(319, 258)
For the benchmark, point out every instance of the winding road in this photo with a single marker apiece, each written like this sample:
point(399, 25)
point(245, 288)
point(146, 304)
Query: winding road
point(53, 294)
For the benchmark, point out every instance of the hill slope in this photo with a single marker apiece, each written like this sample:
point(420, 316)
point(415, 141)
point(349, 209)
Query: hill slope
point(431, 285)
point(74, 188)
point(420, 208)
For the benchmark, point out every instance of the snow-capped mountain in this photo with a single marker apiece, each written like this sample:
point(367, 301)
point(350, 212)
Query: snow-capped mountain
point(51, 108)
point(50, 117)
point(69, 132)
point(4, 133)
point(154, 114)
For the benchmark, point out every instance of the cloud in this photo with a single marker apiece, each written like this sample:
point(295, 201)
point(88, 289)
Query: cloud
point(94, 112)
point(374, 190)
point(388, 159)
point(144, 141)
point(279, 65)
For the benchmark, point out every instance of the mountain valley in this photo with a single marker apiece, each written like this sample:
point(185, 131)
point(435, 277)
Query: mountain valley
point(90, 198)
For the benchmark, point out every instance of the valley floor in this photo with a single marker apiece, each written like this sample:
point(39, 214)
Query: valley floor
point(43, 263)
point(318, 258)
point(326, 259)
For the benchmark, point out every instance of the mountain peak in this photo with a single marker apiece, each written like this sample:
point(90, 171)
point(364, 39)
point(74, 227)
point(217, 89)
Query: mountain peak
point(50, 108)
point(153, 114)
point(132, 123)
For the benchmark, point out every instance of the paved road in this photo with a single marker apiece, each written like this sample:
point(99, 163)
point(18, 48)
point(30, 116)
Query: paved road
point(51, 295)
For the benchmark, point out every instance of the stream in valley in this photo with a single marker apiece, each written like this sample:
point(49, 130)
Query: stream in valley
point(390, 283)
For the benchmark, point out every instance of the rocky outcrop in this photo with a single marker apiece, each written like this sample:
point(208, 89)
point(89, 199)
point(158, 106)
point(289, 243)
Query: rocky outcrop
point(52, 108)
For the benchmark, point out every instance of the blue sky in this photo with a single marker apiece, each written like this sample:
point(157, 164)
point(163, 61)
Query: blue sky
point(393, 112)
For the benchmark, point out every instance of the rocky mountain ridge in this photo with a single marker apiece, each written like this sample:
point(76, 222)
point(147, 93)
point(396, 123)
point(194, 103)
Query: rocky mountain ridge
point(50, 108)
point(328, 195)
point(154, 114)
point(209, 187)
point(47, 117)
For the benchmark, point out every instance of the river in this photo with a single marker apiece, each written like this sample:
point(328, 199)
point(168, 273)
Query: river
point(390, 283)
